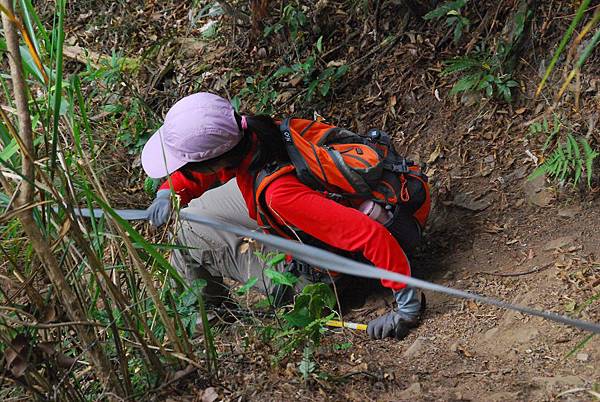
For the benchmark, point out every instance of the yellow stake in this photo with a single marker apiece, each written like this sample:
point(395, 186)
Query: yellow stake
point(346, 324)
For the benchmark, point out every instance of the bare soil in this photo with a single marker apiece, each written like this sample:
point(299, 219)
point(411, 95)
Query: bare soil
point(491, 231)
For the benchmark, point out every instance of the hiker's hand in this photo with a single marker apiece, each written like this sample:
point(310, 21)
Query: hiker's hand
point(159, 210)
point(398, 322)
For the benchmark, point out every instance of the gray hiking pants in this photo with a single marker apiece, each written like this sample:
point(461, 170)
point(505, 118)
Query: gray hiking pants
point(214, 254)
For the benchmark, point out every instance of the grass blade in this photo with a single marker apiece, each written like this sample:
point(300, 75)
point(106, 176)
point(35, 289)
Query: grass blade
point(60, 33)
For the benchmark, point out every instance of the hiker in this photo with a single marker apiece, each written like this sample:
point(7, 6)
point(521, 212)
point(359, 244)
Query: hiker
point(216, 160)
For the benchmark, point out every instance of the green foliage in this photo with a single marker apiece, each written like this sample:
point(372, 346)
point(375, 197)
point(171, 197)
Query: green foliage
point(151, 186)
point(262, 91)
point(451, 11)
point(281, 278)
point(544, 128)
point(135, 122)
point(307, 365)
point(481, 73)
point(569, 161)
point(186, 304)
point(247, 286)
point(304, 324)
point(301, 72)
point(293, 19)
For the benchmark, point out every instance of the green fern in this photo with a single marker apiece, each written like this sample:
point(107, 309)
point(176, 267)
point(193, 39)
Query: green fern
point(568, 162)
point(590, 155)
point(481, 72)
point(451, 10)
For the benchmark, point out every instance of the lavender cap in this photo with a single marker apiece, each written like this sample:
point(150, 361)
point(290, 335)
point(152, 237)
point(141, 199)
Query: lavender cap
point(198, 127)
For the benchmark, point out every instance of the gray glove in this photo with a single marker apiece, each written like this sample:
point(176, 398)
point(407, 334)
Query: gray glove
point(160, 209)
point(398, 322)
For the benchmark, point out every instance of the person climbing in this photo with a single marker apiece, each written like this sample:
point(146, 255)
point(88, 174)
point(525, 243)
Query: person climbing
point(216, 160)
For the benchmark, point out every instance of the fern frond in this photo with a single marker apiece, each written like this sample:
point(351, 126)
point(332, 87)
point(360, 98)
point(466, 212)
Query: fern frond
point(578, 162)
point(466, 83)
point(590, 155)
point(461, 64)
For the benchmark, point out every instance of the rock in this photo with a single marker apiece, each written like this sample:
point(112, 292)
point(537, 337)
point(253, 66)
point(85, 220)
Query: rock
point(411, 393)
point(583, 357)
point(516, 174)
point(558, 382)
point(537, 192)
point(559, 243)
point(415, 348)
point(209, 395)
point(569, 212)
point(466, 201)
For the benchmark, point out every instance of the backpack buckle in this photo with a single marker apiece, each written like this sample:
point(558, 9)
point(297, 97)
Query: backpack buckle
point(401, 167)
point(379, 137)
point(334, 196)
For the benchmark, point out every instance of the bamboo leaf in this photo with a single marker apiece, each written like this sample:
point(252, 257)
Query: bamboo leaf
point(578, 16)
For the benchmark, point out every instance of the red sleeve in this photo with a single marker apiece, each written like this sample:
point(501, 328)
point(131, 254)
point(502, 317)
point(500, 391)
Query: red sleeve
point(339, 226)
point(188, 189)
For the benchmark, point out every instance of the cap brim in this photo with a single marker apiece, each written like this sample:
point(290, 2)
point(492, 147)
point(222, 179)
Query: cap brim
point(157, 161)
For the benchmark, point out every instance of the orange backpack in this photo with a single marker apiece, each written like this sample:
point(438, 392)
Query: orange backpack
point(345, 165)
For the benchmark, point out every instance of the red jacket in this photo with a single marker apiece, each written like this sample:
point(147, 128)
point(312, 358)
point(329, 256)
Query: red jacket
point(299, 206)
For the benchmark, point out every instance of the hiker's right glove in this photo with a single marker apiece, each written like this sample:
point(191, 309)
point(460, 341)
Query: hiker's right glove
point(398, 322)
point(160, 209)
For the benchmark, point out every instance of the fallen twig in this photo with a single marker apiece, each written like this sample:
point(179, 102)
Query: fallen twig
point(531, 271)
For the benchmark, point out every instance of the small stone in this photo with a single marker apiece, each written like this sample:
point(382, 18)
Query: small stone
point(583, 357)
point(415, 348)
point(569, 212)
point(209, 395)
point(537, 192)
point(449, 275)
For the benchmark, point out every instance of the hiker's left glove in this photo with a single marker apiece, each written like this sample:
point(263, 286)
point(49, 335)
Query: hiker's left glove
point(398, 322)
point(160, 209)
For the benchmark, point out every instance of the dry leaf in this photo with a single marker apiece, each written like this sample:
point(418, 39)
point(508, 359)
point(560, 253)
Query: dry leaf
point(434, 155)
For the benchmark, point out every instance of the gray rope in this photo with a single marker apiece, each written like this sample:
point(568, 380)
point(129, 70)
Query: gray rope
point(328, 260)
